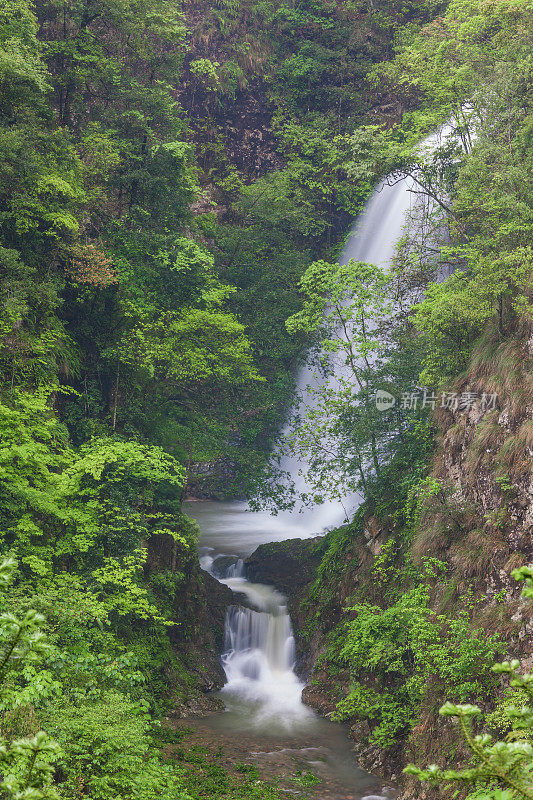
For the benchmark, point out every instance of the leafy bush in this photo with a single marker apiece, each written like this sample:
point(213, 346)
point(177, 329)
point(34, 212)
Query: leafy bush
point(410, 650)
point(26, 765)
point(501, 770)
point(109, 753)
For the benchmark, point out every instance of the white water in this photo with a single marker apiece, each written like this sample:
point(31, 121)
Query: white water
point(259, 661)
point(262, 695)
point(262, 690)
point(373, 240)
point(259, 656)
point(232, 527)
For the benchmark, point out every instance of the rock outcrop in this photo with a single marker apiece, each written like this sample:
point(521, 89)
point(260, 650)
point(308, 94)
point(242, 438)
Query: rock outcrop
point(289, 566)
point(198, 603)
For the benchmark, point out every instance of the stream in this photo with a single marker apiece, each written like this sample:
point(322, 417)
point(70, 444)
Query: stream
point(265, 719)
point(265, 722)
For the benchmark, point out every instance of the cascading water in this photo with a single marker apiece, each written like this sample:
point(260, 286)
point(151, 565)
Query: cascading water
point(262, 696)
point(232, 527)
point(259, 649)
point(262, 690)
point(373, 240)
point(259, 655)
point(259, 664)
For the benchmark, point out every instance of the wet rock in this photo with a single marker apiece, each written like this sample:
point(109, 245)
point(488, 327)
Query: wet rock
point(290, 566)
point(199, 706)
point(219, 567)
point(198, 606)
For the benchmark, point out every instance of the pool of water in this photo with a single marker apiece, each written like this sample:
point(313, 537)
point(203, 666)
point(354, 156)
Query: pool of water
point(232, 529)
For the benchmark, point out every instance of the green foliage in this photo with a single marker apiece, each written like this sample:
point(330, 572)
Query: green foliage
point(119, 585)
point(501, 770)
point(349, 441)
point(134, 331)
point(346, 304)
point(57, 504)
point(41, 191)
point(104, 744)
point(305, 779)
point(477, 45)
point(26, 764)
point(109, 753)
point(206, 71)
point(411, 651)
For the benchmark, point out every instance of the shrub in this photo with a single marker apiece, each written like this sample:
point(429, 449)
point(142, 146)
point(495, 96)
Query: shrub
point(26, 765)
point(500, 770)
point(109, 752)
point(410, 650)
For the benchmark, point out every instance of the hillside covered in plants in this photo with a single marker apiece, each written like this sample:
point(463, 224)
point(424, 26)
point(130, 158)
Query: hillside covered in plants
point(177, 181)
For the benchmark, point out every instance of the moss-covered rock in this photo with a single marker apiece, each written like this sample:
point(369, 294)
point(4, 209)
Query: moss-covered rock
point(289, 566)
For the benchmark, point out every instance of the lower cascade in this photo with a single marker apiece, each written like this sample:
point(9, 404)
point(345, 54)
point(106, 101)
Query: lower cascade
point(259, 657)
point(263, 695)
point(259, 644)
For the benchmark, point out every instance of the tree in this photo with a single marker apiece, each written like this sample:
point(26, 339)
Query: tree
point(338, 429)
point(26, 765)
point(470, 66)
point(40, 195)
point(65, 508)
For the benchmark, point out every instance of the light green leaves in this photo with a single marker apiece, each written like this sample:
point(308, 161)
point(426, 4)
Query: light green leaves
point(525, 574)
point(403, 650)
point(26, 765)
point(206, 72)
point(506, 764)
point(451, 710)
point(120, 589)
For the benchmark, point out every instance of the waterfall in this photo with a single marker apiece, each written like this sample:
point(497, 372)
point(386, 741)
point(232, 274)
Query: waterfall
point(373, 239)
point(259, 643)
point(259, 655)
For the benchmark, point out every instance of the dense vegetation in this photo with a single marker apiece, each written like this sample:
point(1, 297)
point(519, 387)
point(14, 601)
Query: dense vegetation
point(422, 621)
point(175, 183)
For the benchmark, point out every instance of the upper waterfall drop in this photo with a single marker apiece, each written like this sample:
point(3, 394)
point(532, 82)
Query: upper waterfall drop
point(372, 239)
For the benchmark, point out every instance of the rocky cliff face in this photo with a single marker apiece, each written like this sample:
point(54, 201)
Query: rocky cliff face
point(484, 459)
point(481, 522)
point(198, 604)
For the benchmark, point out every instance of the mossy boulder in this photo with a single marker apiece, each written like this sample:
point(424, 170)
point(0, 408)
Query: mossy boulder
point(289, 566)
